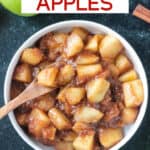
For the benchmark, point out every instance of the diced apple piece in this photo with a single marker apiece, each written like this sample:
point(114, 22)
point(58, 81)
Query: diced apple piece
point(138, 90)
point(44, 102)
point(110, 47)
point(85, 141)
point(123, 63)
point(129, 98)
point(66, 74)
point(83, 33)
point(93, 44)
point(64, 145)
point(114, 70)
point(74, 95)
point(100, 36)
point(80, 126)
point(85, 72)
point(110, 136)
point(87, 115)
point(60, 38)
point(60, 121)
point(97, 89)
point(61, 95)
point(133, 93)
point(74, 45)
point(87, 59)
point(67, 108)
point(38, 120)
point(128, 76)
point(32, 56)
point(22, 119)
point(49, 133)
point(56, 44)
point(23, 73)
point(129, 115)
point(47, 77)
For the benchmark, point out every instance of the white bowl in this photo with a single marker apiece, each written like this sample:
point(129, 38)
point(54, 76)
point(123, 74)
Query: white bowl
point(94, 28)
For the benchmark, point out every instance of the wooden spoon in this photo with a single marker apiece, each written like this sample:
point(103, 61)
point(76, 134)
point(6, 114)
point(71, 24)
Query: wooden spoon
point(32, 91)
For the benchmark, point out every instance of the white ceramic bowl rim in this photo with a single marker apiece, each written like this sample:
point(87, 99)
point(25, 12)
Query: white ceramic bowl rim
point(89, 24)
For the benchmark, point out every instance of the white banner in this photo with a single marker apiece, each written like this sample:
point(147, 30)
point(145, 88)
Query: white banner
point(75, 6)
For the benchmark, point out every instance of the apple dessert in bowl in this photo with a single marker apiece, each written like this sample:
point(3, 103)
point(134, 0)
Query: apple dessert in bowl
point(97, 91)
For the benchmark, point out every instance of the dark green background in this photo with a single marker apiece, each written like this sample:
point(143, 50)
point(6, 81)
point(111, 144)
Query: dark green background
point(15, 30)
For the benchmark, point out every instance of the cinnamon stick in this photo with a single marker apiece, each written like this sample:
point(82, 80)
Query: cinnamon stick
point(142, 13)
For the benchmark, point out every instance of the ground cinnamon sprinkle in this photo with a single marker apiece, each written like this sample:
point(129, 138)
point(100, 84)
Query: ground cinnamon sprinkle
point(142, 13)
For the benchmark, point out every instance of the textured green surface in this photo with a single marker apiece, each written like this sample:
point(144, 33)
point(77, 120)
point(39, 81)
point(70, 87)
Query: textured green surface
point(15, 30)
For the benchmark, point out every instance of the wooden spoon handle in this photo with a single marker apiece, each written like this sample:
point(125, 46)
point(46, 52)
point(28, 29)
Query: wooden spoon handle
point(9, 107)
point(32, 91)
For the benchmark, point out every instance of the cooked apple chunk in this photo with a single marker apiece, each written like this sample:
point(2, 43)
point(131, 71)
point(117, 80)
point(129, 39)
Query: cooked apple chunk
point(74, 45)
point(87, 115)
point(74, 95)
point(80, 126)
point(110, 136)
point(38, 120)
point(87, 59)
point(133, 93)
point(83, 33)
point(93, 44)
point(44, 102)
point(100, 36)
point(123, 63)
point(49, 133)
point(47, 77)
point(32, 56)
point(60, 39)
point(67, 108)
point(59, 120)
point(114, 70)
point(23, 73)
point(110, 47)
point(84, 141)
point(129, 115)
point(61, 145)
point(61, 95)
point(66, 74)
point(128, 76)
point(138, 90)
point(85, 72)
point(96, 90)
